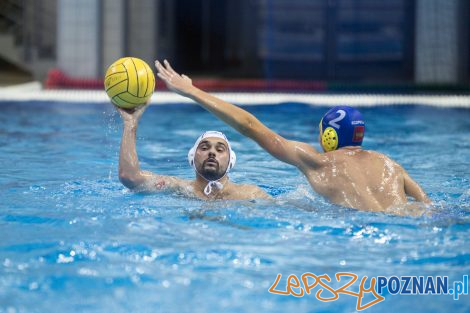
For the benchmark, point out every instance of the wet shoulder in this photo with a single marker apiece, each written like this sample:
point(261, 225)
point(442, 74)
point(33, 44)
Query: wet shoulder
point(367, 157)
point(383, 160)
point(248, 188)
point(381, 156)
point(249, 191)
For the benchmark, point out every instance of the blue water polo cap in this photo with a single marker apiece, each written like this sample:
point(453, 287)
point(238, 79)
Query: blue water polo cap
point(341, 126)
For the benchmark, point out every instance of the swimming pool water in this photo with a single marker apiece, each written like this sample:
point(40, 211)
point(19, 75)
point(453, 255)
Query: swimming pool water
point(73, 238)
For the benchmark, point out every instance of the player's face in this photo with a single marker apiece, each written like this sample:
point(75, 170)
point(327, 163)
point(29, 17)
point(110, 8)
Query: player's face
point(212, 158)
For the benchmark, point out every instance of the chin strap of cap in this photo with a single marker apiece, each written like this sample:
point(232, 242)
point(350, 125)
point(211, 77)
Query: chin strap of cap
point(217, 184)
point(212, 183)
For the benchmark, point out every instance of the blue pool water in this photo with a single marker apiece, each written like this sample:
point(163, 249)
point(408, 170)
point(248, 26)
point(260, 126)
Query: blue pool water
point(72, 238)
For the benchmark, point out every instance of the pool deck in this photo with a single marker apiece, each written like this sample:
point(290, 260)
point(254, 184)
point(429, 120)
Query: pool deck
point(34, 92)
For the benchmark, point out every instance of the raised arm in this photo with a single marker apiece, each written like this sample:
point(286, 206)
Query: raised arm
point(296, 153)
point(130, 173)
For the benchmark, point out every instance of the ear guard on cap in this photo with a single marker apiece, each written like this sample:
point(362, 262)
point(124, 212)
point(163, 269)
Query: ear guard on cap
point(329, 139)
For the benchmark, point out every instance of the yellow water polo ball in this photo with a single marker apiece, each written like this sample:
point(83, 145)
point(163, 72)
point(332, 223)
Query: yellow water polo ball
point(129, 82)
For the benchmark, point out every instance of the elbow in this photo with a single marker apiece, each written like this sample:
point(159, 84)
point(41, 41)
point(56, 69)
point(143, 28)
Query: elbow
point(427, 200)
point(129, 180)
point(421, 197)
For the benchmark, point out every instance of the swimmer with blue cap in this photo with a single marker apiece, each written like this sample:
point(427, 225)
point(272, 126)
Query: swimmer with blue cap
point(345, 173)
point(211, 157)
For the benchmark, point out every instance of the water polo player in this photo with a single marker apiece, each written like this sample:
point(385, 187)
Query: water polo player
point(345, 174)
point(211, 157)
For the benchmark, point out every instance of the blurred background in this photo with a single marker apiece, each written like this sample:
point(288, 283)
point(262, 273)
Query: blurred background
point(322, 44)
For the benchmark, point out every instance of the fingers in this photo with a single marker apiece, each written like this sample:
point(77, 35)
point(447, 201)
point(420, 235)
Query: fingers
point(166, 70)
point(163, 77)
point(168, 74)
point(141, 107)
point(138, 111)
point(162, 70)
point(124, 113)
point(119, 109)
point(168, 66)
point(128, 111)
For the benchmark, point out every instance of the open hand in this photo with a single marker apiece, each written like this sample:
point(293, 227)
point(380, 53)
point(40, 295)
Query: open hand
point(180, 84)
point(131, 115)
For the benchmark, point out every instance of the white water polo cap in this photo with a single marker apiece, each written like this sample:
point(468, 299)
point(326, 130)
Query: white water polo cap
point(231, 164)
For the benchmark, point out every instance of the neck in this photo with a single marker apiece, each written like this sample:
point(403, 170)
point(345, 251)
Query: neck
point(352, 148)
point(201, 183)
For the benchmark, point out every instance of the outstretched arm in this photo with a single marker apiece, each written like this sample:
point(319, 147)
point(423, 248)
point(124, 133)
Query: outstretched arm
point(296, 153)
point(130, 173)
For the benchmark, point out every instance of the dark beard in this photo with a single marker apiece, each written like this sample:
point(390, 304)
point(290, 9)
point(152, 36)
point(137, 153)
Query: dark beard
point(211, 173)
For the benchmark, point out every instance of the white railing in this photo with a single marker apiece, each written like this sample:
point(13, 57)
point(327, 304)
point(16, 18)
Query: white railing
point(34, 92)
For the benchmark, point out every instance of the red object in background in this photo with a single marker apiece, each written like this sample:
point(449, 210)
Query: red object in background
point(56, 79)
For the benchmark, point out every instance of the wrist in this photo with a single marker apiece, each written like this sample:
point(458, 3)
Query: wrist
point(194, 92)
point(130, 124)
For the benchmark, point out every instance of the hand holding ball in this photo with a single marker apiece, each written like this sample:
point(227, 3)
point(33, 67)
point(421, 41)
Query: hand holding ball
point(129, 82)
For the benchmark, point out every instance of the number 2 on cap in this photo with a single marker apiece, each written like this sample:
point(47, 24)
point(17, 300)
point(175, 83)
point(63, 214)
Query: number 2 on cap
point(333, 123)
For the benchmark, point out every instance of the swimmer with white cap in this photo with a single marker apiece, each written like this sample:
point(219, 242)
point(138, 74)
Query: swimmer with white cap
point(211, 157)
point(345, 173)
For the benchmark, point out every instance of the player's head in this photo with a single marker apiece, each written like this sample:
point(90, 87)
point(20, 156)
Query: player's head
point(212, 156)
point(341, 126)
